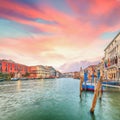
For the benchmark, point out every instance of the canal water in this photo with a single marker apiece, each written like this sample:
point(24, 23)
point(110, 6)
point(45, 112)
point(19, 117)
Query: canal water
point(54, 99)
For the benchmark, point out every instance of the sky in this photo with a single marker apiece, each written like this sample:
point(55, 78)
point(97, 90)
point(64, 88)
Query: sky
point(57, 32)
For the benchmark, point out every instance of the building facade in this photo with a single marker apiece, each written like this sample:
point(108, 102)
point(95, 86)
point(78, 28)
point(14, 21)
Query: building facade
point(41, 71)
point(91, 70)
point(33, 72)
point(10, 67)
point(59, 74)
point(20, 70)
point(112, 59)
point(100, 69)
point(76, 75)
point(52, 71)
point(68, 74)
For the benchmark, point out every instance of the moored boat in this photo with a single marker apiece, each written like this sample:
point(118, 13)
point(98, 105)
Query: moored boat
point(90, 87)
point(24, 78)
point(2, 79)
point(111, 82)
point(14, 79)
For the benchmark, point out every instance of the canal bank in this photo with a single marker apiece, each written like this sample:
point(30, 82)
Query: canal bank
point(54, 99)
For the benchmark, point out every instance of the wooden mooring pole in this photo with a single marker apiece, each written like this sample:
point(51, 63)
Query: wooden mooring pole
point(81, 82)
point(100, 93)
point(96, 94)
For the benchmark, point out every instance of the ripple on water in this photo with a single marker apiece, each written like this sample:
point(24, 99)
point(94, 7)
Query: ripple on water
point(54, 99)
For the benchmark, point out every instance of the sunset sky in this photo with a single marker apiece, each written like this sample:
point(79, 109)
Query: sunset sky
point(56, 32)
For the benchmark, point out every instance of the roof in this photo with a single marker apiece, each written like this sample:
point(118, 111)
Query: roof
point(91, 66)
point(11, 61)
point(112, 41)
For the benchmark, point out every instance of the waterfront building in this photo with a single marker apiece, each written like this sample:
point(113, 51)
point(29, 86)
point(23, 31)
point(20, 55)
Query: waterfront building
point(46, 72)
point(33, 71)
point(0, 66)
point(10, 67)
point(59, 74)
point(112, 59)
point(40, 71)
point(91, 69)
point(16, 69)
point(76, 75)
point(68, 74)
point(51, 71)
point(100, 69)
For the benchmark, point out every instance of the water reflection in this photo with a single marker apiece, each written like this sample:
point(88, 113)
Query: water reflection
point(92, 116)
point(18, 85)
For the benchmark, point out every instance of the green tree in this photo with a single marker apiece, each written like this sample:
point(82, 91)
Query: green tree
point(5, 76)
point(26, 74)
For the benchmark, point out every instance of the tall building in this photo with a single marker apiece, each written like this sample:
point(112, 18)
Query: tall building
point(112, 59)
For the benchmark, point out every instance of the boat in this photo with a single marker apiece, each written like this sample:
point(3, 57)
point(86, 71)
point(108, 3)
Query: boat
point(14, 79)
point(90, 87)
point(111, 82)
point(24, 78)
point(2, 79)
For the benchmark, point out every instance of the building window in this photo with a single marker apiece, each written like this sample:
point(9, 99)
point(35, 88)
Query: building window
point(10, 66)
point(6, 69)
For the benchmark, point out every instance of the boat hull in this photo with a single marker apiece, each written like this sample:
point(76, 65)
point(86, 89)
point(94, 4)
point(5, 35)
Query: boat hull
point(90, 87)
point(14, 79)
point(2, 79)
point(111, 82)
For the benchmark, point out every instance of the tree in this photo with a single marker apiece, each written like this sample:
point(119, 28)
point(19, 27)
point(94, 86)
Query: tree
point(5, 76)
point(26, 74)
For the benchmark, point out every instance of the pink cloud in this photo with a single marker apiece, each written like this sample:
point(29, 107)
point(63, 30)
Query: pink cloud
point(40, 26)
point(22, 9)
point(93, 7)
point(102, 14)
point(71, 26)
point(103, 7)
point(70, 33)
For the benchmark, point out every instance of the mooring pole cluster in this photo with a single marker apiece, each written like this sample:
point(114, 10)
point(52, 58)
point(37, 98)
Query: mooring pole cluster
point(97, 89)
